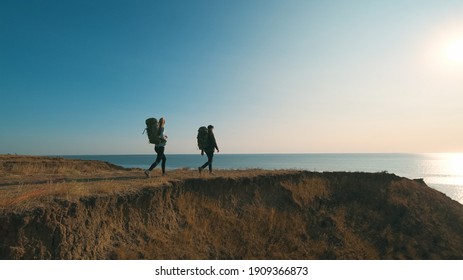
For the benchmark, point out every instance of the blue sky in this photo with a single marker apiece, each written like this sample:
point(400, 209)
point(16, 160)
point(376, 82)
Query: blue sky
point(81, 77)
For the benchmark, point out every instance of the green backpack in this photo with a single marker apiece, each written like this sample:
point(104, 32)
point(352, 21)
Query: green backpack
point(202, 137)
point(152, 131)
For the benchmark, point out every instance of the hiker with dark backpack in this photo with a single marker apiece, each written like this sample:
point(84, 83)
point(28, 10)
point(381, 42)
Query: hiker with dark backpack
point(157, 137)
point(207, 143)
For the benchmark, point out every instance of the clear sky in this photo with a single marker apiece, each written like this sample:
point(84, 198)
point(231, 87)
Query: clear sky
point(81, 76)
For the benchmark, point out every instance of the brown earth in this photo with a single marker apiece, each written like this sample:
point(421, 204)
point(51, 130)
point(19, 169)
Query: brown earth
point(54, 208)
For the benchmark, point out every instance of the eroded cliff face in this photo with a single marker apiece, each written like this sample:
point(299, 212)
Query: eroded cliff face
point(299, 215)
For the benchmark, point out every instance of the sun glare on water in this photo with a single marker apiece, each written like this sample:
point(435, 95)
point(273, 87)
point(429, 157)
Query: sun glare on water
point(455, 168)
point(457, 161)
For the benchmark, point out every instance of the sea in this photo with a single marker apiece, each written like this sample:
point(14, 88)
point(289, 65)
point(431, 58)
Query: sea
point(443, 172)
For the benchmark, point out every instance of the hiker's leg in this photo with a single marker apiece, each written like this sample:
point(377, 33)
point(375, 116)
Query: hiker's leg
point(160, 153)
point(210, 156)
point(152, 166)
point(205, 164)
point(163, 164)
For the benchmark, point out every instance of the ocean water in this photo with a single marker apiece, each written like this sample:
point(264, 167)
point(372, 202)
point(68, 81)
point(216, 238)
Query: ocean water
point(443, 172)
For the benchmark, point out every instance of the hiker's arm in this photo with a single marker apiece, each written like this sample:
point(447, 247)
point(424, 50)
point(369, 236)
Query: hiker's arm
point(215, 143)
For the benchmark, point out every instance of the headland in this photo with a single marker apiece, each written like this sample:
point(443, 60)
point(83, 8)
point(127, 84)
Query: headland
point(55, 208)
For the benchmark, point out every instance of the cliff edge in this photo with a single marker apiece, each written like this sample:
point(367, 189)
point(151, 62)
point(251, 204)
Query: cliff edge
point(247, 214)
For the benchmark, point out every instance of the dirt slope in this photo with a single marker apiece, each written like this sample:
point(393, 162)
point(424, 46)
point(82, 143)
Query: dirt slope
point(248, 214)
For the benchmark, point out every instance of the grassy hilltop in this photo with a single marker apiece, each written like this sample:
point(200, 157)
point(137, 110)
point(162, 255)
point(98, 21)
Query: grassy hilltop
point(54, 208)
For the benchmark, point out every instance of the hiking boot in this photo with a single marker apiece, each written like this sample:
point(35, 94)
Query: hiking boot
point(147, 173)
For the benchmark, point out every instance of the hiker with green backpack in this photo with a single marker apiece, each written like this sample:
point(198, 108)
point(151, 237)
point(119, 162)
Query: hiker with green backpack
point(207, 143)
point(157, 137)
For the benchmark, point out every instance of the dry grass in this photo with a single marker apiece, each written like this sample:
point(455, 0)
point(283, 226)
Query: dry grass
point(306, 191)
point(233, 214)
point(29, 181)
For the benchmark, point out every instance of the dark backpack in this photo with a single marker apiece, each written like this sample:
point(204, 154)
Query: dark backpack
point(152, 130)
point(202, 137)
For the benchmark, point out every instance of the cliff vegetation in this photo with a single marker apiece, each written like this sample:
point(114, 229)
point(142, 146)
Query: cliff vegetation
point(54, 208)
